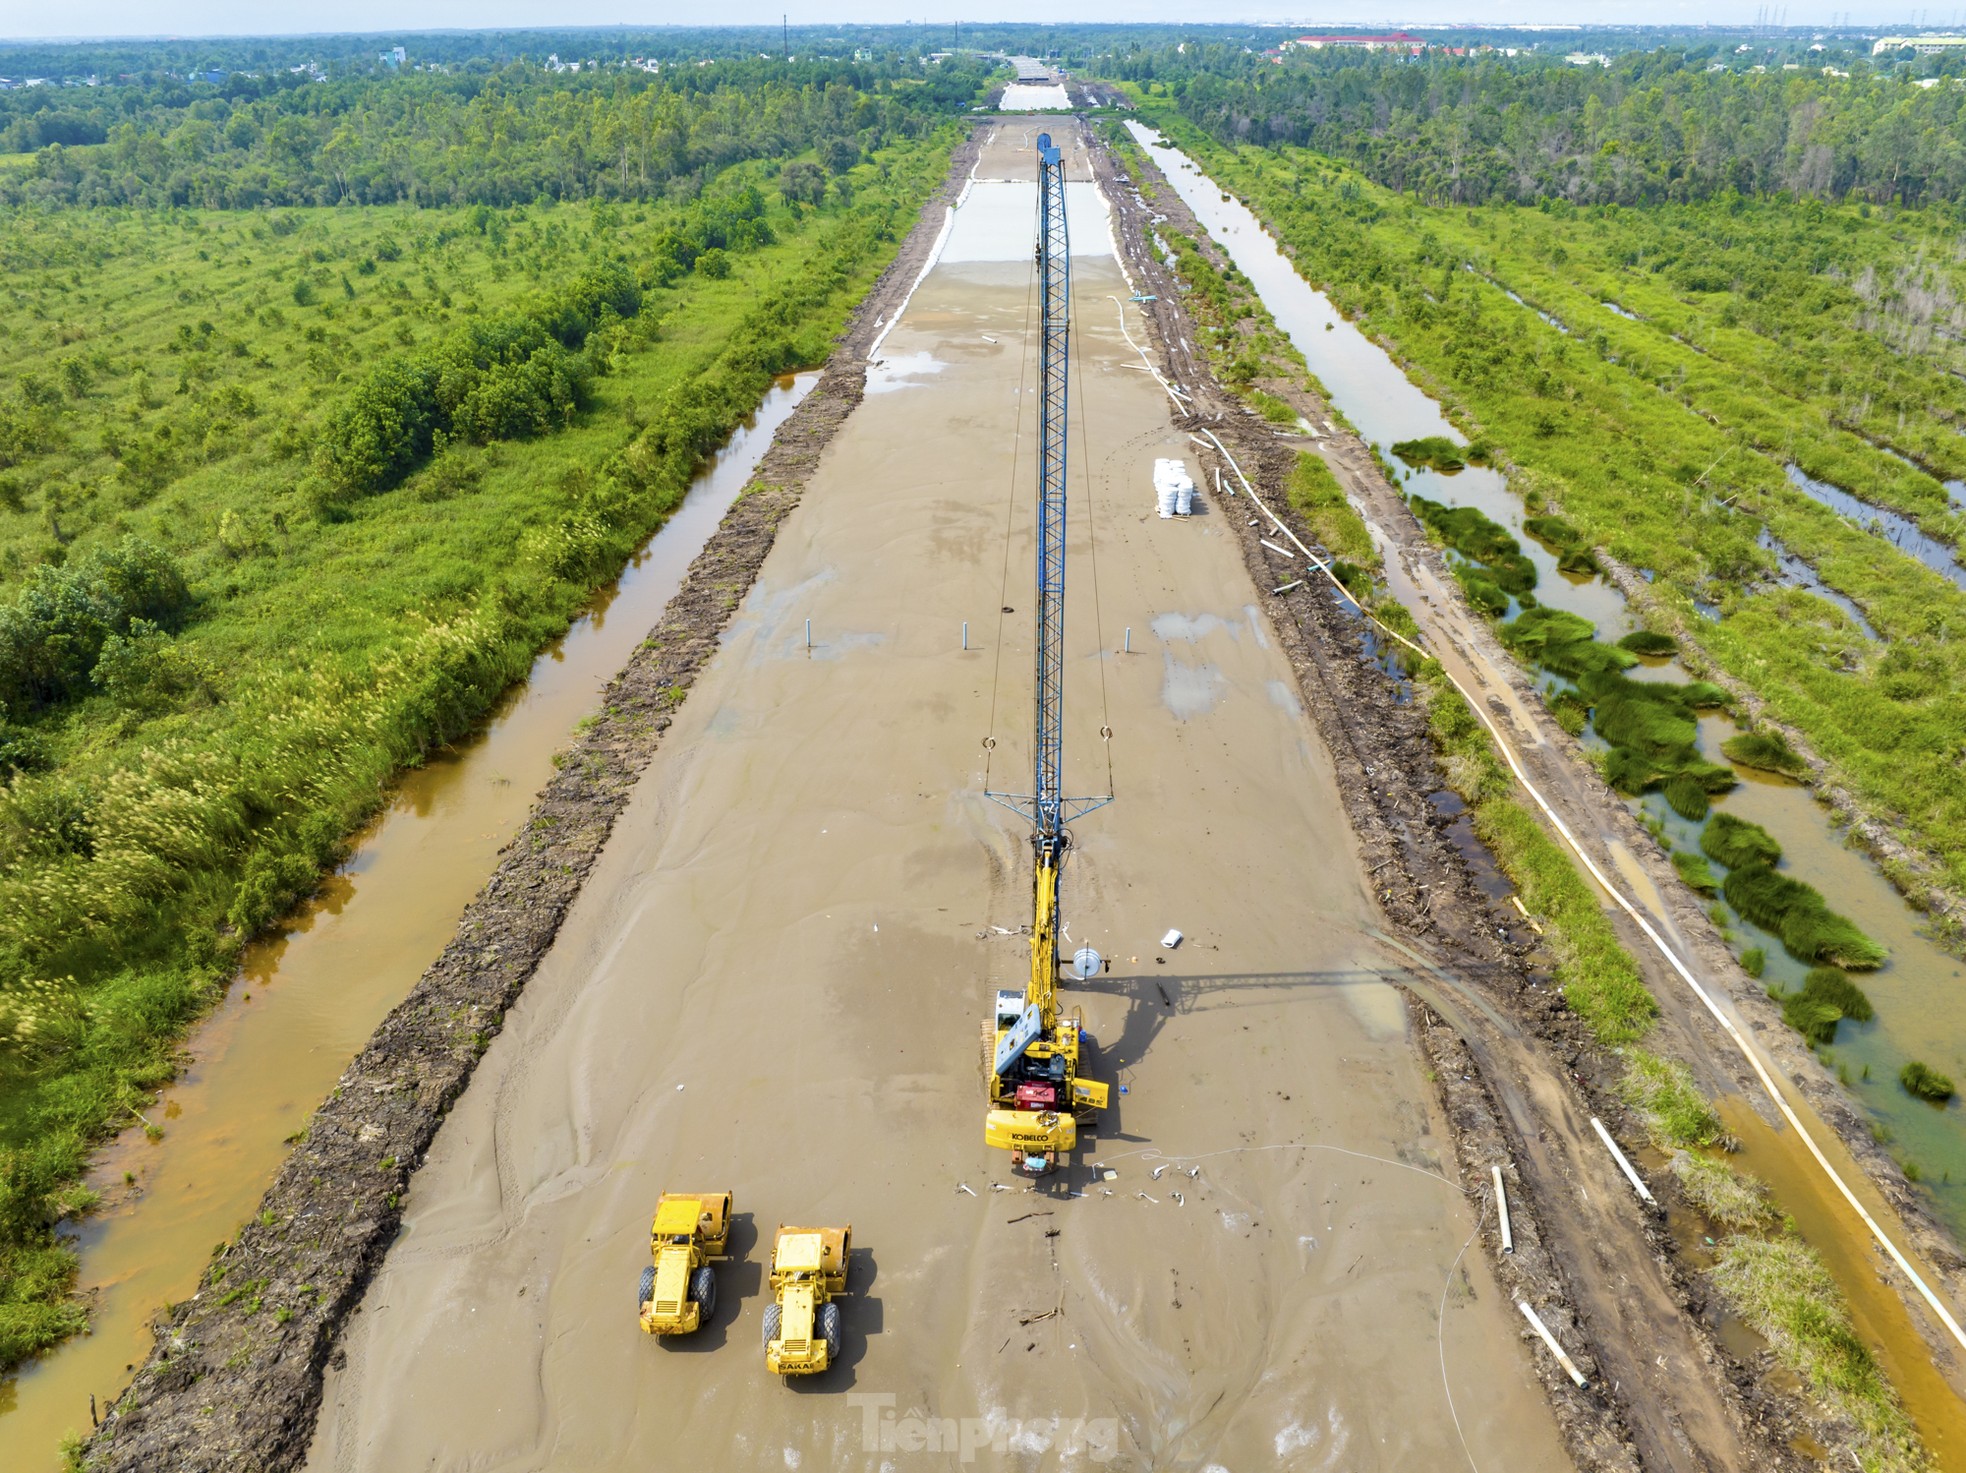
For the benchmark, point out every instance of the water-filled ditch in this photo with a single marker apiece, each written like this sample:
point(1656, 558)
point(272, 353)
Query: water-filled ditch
point(308, 998)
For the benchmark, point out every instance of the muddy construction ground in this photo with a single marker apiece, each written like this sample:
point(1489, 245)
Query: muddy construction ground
point(774, 979)
point(763, 966)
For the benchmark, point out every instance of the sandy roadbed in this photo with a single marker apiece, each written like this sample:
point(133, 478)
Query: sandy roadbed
point(773, 977)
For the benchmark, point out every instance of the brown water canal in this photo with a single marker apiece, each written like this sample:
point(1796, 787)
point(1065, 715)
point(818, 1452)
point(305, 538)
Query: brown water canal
point(1916, 993)
point(306, 1001)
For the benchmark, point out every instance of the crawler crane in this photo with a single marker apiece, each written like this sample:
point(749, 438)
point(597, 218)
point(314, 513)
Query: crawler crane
point(1031, 1053)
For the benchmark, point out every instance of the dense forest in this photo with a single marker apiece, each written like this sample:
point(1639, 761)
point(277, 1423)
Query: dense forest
point(507, 137)
point(1670, 125)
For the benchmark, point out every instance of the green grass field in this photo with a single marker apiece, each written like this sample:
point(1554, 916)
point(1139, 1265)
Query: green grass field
point(169, 377)
point(1765, 339)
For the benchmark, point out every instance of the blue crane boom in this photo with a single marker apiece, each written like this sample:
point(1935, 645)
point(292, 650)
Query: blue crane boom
point(1030, 1052)
point(1054, 267)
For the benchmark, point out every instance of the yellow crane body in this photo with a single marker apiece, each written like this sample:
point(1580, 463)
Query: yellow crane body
point(1036, 1094)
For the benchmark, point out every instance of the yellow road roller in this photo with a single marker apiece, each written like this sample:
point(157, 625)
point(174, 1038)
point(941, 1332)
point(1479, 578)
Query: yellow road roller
point(679, 1290)
point(802, 1326)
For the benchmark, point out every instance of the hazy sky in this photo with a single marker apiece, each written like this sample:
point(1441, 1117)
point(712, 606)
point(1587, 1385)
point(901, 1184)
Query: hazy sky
point(37, 18)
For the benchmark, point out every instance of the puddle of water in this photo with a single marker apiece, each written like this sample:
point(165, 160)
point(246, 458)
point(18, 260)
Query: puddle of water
point(1622, 312)
point(1916, 992)
point(1190, 630)
point(1024, 97)
point(1894, 527)
point(1191, 690)
point(1461, 833)
point(260, 1066)
point(1798, 574)
point(885, 375)
point(994, 223)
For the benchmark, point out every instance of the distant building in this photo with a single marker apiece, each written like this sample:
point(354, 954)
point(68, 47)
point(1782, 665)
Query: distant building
point(1923, 45)
point(1394, 41)
point(1588, 58)
point(393, 58)
point(214, 76)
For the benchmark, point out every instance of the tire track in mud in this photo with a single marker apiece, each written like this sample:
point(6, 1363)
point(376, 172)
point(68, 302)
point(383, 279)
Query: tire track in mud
point(1594, 1265)
point(234, 1380)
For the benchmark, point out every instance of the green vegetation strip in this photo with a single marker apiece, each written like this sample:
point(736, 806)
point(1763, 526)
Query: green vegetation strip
point(1667, 440)
point(1780, 1287)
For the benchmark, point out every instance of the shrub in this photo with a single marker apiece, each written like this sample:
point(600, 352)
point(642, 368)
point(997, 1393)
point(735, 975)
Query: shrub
point(1768, 751)
point(1694, 871)
point(1553, 530)
point(1483, 595)
point(1728, 1198)
point(1435, 451)
point(1476, 537)
point(1925, 1082)
point(1832, 986)
point(1563, 643)
point(1734, 842)
point(1810, 931)
point(1662, 1094)
point(146, 669)
point(1647, 642)
point(1687, 797)
point(509, 377)
point(1754, 961)
point(52, 636)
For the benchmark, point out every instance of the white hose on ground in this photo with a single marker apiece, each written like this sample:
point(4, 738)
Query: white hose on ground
point(1172, 392)
point(1740, 1041)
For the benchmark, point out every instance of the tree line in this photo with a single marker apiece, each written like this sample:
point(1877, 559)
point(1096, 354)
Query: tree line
point(505, 137)
point(1651, 128)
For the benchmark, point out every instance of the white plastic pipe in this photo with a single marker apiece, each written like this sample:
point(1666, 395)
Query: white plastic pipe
point(1536, 1324)
point(1619, 1156)
point(1502, 1207)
